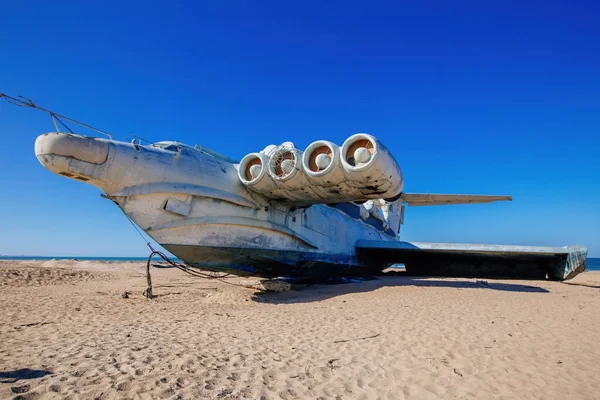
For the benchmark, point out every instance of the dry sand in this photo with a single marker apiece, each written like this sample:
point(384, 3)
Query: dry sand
point(66, 332)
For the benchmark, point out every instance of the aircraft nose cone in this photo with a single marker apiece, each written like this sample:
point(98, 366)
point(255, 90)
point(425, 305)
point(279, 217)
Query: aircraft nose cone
point(82, 148)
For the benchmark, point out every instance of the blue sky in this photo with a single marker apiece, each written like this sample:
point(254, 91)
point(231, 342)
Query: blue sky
point(471, 97)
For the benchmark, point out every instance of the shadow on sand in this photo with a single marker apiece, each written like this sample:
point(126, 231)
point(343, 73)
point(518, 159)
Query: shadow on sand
point(318, 292)
point(590, 285)
point(25, 373)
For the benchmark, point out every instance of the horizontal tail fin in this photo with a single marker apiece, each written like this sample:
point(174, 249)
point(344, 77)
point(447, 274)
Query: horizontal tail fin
point(426, 199)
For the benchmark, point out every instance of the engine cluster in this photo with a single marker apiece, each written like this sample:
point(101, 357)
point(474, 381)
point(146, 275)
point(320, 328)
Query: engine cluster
point(361, 169)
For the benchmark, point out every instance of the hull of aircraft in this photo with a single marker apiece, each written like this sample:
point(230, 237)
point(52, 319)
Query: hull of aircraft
point(212, 214)
point(219, 235)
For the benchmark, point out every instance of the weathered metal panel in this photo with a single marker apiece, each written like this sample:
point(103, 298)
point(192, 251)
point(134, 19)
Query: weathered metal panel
point(178, 207)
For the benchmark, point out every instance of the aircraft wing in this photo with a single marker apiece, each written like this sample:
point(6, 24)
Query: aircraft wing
point(427, 199)
point(477, 260)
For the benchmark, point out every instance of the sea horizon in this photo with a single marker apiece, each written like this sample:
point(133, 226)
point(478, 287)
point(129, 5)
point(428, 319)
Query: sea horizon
point(592, 263)
point(77, 258)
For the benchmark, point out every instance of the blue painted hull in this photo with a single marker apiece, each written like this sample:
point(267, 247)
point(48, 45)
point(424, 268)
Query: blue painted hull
point(272, 263)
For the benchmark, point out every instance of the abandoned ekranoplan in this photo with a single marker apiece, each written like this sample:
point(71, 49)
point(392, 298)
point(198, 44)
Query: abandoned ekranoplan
point(328, 210)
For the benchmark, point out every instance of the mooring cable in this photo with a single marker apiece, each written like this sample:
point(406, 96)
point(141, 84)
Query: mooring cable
point(180, 266)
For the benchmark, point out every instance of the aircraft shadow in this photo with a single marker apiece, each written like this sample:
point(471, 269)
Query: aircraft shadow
point(317, 292)
point(24, 373)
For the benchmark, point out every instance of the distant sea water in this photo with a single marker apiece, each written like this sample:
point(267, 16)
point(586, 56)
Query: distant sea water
point(47, 258)
point(592, 264)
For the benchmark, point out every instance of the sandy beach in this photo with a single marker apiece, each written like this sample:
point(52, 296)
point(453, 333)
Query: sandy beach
point(67, 332)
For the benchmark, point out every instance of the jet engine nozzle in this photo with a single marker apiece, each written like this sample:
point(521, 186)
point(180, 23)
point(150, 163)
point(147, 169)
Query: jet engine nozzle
point(370, 167)
point(253, 173)
point(358, 150)
point(361, 169)
point(284, 163)
point(253, 168)
point(320, 158)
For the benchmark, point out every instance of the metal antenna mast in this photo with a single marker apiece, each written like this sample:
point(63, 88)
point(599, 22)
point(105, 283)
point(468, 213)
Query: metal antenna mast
point(25, 102)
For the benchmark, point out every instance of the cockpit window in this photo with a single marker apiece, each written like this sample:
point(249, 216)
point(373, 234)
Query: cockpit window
point(169, 146)
point(172, 147)
point(175, 147)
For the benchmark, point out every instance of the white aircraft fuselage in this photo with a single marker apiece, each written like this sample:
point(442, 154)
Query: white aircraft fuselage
point(192, 203)
point(282, 212)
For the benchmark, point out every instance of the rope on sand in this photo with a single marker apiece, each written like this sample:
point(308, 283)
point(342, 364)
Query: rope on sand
point(180, 266)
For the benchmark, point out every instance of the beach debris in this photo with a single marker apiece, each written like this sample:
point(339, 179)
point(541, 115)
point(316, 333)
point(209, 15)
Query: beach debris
point(331, 364)
point(482, 283)
point(20, 389)
point(361, 338)
point(148, 292)
point(267, 285)
point(125, 295)
point(225, 392)
point(33, 324)
point(162, 265)
point(457, 372)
